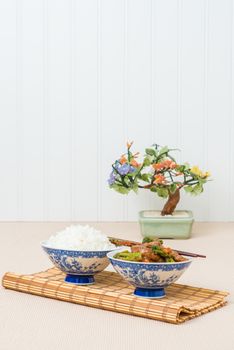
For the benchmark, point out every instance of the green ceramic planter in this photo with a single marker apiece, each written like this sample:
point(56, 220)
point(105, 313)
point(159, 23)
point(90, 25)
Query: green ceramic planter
point(177, 226)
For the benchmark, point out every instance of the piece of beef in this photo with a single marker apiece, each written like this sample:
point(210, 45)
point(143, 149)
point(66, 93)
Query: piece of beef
point(149, 256)
point(177, 257)
point(146, 252)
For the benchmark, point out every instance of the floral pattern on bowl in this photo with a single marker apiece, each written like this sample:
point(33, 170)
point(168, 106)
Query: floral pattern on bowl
point(149, 279)
point(79, 266)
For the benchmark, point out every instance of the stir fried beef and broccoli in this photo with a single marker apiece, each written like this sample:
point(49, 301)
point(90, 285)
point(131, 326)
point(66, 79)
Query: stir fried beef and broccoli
point(150, 250)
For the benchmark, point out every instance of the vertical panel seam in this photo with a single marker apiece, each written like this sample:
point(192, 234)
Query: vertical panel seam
point(151, 84)
point(45, 110)
point(72, 121)
point(19, 119)
point(205, 99)
point(231, 118)
point(125, 127)
point(179, 71)
point(151, 73)
point(99, 86)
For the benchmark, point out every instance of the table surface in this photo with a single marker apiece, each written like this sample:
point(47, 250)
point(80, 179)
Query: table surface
point(30, 322)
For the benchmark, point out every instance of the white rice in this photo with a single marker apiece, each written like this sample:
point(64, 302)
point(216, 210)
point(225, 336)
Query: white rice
point(78, 237)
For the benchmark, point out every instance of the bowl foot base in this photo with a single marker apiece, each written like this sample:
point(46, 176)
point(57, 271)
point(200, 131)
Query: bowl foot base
point(79, 279)
point(150, 293)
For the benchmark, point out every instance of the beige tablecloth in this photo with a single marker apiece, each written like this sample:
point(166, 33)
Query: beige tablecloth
point(30, 322)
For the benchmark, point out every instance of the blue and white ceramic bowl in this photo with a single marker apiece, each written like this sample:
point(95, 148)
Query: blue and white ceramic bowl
point(79, 266)
point(149, 279)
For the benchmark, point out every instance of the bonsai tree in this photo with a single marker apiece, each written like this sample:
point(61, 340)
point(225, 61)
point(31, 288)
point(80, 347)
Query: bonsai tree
point(158, 172)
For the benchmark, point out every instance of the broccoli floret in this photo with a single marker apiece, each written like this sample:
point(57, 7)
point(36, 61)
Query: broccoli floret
point(147, 240)
point(158, 250)
point(129, 256)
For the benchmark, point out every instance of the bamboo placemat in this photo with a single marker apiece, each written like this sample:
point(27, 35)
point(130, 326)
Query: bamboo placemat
point(111, 292)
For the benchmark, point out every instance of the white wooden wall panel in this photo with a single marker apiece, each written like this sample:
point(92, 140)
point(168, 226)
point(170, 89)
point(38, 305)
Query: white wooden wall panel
point(231, 122)
point(86, 109)
point(80, 78)
point(220, 63)
point(193, 114)
point(8, 111)
point(31, 117)
point(165, 77)
point(112, 103)
point(58, 121)
point(138, 85)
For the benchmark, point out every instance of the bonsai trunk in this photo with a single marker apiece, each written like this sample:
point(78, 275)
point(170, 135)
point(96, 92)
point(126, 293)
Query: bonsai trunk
point(171, 203)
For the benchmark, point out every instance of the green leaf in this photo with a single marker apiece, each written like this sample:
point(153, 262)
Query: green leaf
point(173, 188)
point(145, 177)
point(148, 160)
point(180, 168)
point(186, 166)
point(135, 188)
point(188, 189)
point(153, 189)
point(202, 181)
point(194, 190)
point(163, 150)
point(162, 192)
point(123, 190)
point(197, 189)
point(150, 151)
point(120, 189)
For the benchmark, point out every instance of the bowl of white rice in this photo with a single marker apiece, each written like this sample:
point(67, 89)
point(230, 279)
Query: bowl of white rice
point(80, 252)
